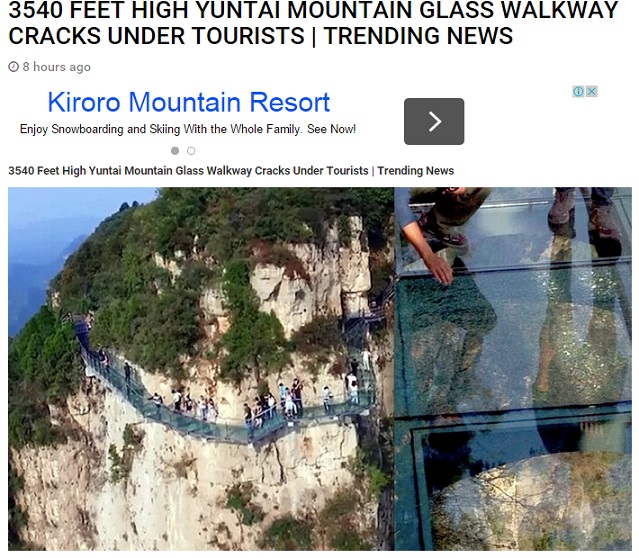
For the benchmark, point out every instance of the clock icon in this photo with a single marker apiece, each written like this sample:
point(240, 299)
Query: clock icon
point(14, 66)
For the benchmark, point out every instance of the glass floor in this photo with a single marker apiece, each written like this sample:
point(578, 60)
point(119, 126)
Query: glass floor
point(513, 385)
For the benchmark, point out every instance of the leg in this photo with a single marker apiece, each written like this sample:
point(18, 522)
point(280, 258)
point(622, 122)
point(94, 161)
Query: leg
point(602, 196)
point(602, 223)
point(564, 203)
point(454, 210)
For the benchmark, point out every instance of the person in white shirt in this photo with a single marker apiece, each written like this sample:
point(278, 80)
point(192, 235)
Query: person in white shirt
point(367, 360)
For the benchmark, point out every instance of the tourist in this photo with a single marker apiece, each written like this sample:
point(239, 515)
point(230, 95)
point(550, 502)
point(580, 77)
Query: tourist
point(272, 406)
point(104, 359)
point(354, 366)
point(127, 373)
point(326, 399)
point(354, 392)
point(283, 390)
point(177, 399)
point(367, 360)
point(600, 216)
point(289, 405)
point(296, 391)
point(157, 399)
point(248, 421)
point(258, 416)
point(188, 404)
point(203, 408)
point(263, 403)
point(603, 230)
point(452, 207)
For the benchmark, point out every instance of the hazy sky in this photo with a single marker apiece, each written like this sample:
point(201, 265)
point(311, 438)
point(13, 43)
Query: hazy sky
point(27, 205)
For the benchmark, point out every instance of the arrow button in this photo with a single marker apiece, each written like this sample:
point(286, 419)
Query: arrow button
point(433, 121)
point(437, 121)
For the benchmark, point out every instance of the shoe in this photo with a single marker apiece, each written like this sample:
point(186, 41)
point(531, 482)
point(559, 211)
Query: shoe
point(564, 203)
point(451, 240)
point(602, 221)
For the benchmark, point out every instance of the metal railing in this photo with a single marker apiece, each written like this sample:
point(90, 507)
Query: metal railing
point(231, 431)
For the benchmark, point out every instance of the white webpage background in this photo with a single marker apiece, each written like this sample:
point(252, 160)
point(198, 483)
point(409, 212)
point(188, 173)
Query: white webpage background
point(523, 127)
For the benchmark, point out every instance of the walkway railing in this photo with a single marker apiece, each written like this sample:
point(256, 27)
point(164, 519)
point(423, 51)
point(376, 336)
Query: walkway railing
point(231, 431)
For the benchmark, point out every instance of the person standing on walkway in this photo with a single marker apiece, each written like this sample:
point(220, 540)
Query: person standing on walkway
point(177, 399)
point(283, 389)
point(600, 215)
point(188, 404)
point(212, 410)
point(157, 399)
point(326, 399)
point(272, 406)
point(248, 421)
point(367, 360)
point(127, 377)
point(203, 408)
point(354, 392)
point(289, 405)
point(296, 391)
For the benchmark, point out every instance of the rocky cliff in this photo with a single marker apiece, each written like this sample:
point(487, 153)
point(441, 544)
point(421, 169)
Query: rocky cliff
point(173, 493)
point(120, 481)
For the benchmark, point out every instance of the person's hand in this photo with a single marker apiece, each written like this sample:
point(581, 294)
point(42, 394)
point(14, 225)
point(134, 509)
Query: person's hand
point(440, 269)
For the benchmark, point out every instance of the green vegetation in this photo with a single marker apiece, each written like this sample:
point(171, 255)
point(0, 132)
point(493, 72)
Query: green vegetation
point(288, 533)
point(122, 461)
point(44, 367)
point(338, 522)
point(238, 499)
point(132, 438)
point(17, 516)
point(319, 342)
point(255, 341)
point(211, 233)
point(151, 313)
point(321, 336)
point(338, 526)
point(365, 466)
point(118, 468)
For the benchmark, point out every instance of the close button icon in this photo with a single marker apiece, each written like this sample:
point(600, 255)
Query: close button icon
point(433, 121)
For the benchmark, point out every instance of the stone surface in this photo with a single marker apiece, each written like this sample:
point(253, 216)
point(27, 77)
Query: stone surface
point(175, 493)
point(576, 501)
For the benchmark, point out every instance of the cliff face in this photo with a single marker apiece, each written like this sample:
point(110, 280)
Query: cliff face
point(121, 482)
point(175, 494)
point(334, 280)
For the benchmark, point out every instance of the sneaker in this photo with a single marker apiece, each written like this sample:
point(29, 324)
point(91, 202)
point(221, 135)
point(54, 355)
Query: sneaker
point(602, 221)
point(564, 203)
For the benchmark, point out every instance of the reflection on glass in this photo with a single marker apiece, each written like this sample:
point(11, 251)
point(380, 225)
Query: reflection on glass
point(552, 485)
point(510, 233)
point(513, 384)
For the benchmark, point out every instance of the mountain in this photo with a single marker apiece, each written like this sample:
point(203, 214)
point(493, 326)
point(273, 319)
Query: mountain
point(40, 242)
point(224, 294)
point(28, 284)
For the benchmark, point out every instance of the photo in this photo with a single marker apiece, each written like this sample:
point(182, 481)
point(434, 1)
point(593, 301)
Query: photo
point(513, 369)
point(201, 368)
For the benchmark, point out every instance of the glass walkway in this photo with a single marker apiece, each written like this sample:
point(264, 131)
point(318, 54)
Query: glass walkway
point(341, 408)
point(513, 384)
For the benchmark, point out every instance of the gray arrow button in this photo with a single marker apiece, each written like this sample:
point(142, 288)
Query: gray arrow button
point(433, 121)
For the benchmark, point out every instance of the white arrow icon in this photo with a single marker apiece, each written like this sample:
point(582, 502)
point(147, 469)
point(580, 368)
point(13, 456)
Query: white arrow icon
point(436, 123)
